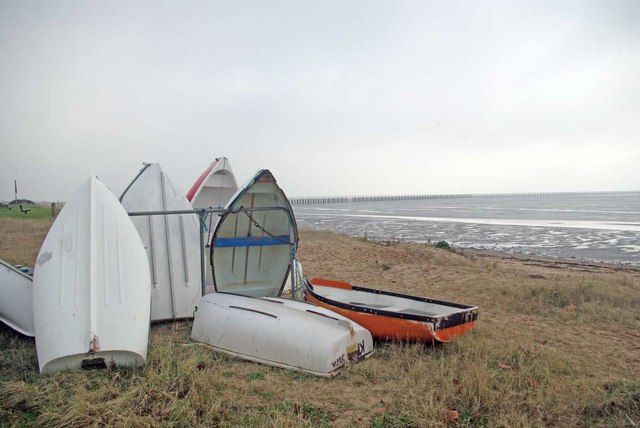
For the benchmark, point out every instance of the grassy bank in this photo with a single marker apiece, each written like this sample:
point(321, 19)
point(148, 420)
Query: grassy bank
point(35, 212)
point(553, 346)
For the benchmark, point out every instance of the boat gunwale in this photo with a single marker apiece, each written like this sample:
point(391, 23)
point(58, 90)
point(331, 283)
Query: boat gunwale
point(16, 270)
point(197, 187)
point(144, 168)
point(466, 315)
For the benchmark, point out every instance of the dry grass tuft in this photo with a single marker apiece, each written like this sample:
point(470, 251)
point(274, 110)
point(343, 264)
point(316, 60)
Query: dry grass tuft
point(552, 347)
point(20, 239)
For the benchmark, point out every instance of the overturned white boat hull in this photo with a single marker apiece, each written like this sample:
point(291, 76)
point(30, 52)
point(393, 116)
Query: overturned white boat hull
point(215, 186)
point(172, 243)
point(91, 286)
point(16, 307)
point(213, 189)
point(281, 333)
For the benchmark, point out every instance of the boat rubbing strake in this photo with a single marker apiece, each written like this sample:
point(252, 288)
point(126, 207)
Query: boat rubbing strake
point(393, 316)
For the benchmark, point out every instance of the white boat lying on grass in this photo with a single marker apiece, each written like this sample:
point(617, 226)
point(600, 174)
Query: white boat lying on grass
point(251, 257)
point(91, 286)
point(213, 189)
point(281, 333)
point(16, 307)
point(172, 243)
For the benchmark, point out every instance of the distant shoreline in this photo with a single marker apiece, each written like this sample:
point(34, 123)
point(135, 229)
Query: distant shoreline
point(575, 264)
point(581, 265)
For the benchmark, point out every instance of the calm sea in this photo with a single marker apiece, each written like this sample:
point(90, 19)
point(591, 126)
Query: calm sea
point(597, 227)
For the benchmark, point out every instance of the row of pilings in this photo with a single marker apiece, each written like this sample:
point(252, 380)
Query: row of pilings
point(354, 199)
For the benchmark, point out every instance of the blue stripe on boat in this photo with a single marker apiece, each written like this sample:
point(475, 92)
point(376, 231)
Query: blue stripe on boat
point(251, 241)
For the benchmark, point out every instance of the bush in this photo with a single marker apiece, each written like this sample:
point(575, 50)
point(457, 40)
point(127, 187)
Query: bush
point(444, 245)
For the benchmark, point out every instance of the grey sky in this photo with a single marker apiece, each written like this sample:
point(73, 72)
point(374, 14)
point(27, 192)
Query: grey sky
point(336, 98)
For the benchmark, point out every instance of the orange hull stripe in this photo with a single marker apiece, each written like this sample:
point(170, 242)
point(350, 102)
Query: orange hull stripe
point(331, 283)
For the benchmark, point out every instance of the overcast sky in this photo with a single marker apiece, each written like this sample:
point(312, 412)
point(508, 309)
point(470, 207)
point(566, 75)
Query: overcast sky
point(335, 97)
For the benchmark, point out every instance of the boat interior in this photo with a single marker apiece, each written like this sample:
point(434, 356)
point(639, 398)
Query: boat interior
point(385, 302)
point(251, 249)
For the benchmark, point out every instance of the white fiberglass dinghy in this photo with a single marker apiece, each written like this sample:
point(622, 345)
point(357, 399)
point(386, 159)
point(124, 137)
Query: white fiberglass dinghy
point(281, 332)
point(251, 256)
point(213, 189)
point(215, 186)
point(16, 307)
point(172, 243)
point(91, 286)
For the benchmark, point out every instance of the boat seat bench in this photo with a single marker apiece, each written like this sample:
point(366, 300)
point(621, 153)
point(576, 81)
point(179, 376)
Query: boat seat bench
point(252, 241)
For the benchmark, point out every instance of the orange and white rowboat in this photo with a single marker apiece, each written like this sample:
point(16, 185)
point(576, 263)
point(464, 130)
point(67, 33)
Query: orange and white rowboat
point(393, 316)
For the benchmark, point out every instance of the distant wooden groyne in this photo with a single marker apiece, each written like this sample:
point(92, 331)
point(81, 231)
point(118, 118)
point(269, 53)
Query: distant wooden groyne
point(355, 199)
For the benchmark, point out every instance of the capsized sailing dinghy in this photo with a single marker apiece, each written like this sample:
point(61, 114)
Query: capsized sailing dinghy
point(251, 257)
point(91, 286)
point(213, 189)
point(393, 316)
point(16, 307)
point(172, 243)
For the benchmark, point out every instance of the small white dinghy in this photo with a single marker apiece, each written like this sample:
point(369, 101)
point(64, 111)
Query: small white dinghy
point(281, 333)
point(251, 255)
point(91, 286)
point(215, 186)
point(16, 307)
point(213, 189)
point(172, 243)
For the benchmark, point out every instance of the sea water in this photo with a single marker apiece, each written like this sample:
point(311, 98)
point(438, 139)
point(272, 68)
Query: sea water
point(602, 227)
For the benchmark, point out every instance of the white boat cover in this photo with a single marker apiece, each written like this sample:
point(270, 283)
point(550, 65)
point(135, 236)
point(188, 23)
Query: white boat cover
point(91, 286)
point(16, 307)
point(281, 332)
point(172, 243)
